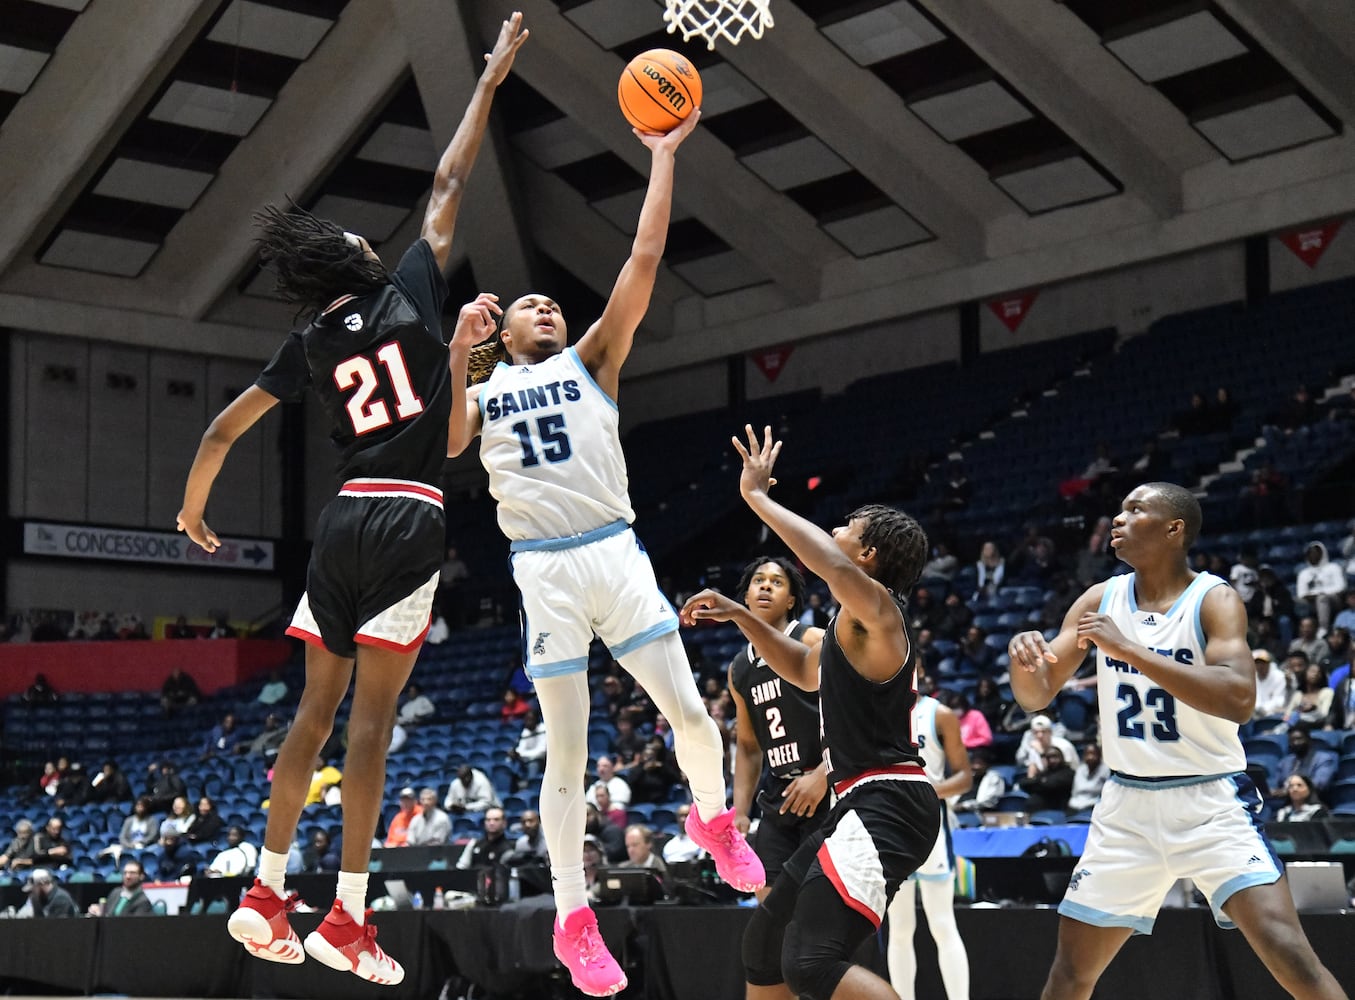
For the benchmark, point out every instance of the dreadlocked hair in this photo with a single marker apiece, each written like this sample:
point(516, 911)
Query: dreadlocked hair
point(900, 546)
point(484, 357)
point(793, 576)
point(312, 258)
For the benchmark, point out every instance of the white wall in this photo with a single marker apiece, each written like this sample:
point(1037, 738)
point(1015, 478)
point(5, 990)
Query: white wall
point(1288, 271)
point(1128, 300)
point(686, 390)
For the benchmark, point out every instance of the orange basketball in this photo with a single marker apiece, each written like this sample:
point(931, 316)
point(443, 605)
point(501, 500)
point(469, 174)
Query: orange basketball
point(658, 90)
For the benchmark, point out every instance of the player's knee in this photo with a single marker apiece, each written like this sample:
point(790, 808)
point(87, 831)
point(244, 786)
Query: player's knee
point(763, 937)
point(812, 969)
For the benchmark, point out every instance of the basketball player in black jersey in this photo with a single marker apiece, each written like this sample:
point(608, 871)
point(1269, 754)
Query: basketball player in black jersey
point(374, 355)
point(832, 894)
point(778, 724)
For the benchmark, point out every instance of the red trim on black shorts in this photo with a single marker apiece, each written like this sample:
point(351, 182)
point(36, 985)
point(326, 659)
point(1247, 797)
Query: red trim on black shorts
point(826, 863)
point(409, 647)
point(897, 771)
point(296, 632)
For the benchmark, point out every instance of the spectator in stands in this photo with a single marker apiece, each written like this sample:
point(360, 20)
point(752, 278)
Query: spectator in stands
point(1346, 617)
point(51, 849)
point(178, 692)
point(451, 593)
point(681, 847)
point(431, 827)
point(942, 565)
point(321, 854)
point(1223, 412)
point(652, 780)
point(608, 810)
point(1088, 780)
point(492, 844)
point(21, 850)
point(223, 629)
point(40, 692)
point(954, 617)
point(417, 708)
point(626, 744)
point(514, 707)
point(1244, 574)
point(1322, 583)
point(1095, 562)
point(1342, 713)
point(640, 850)
point(1049, 786)
point(988, 700)
point(47, 898)
point(206, 824)
point(663, 730)
point(1312, 701)
point(1035, 562)
point(974, 728)
point(397, 833)
point(1039, 739)
point(1309, 642)
point(1338, 652)
point(180, 629)
point(974, 653)
point(1266, 495)
point(616, 785)
point(140, 829)
point(438, 629)
point(1195, 418)
point(922, 612)
point(593, 859)
point(1272, 601)
point(956, 490)
point(611, 837)
point(176, 858)
point(325, 784)
point(1272, 686)
point(127, 899)
point(470, 791)
point(612, 696)
point(51, 777)
point(73, 788)
point(530, 753)
point(224, 739)
point(990, 571)
point(240, 857)
point(1299, 412)
point(530, 847)
point(1301, 802)
point(163, 785)
point(1313, 761)
point(988, 785)
point(816, 614)
point(270, 738)
point(274, 690)
point(639, 707)
point(110, 785)
point(1103, 464)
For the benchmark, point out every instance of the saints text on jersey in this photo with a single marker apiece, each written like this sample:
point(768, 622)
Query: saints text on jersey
point(531, 398)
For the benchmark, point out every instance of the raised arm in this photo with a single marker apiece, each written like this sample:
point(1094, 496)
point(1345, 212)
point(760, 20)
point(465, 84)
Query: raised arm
point(458, 158)
point(606, 345)
point(1039, 669)
point(1223, 686)
point(474, 322)
point(243, 413)
point(866, 603)
point(747, 758)
point(789, 658)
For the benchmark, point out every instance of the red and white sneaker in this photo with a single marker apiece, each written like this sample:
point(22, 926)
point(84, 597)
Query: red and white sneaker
point(579, 945)
point(734, 859)
point(344, 944)
point(260, 924)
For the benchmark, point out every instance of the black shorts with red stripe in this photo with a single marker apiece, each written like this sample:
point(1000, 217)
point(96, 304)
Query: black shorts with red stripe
point(374, 568)
point(878, 833)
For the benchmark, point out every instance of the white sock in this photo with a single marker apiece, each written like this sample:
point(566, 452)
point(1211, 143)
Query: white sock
point(353, 893)
point(662, 667)
point(570, 892)
point(273, 871)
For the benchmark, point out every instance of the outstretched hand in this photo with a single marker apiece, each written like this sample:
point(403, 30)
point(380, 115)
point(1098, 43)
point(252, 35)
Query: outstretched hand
point(1027, 649)
point(758, 460)
point(511, 37)
point(476, 320)
point(709, 605)
point(196, 528)
point(672, 139)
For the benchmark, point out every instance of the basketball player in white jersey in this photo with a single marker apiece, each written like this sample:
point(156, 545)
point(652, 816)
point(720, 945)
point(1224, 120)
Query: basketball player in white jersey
point(1175, 680)
point(547, 420)
point(946, 761)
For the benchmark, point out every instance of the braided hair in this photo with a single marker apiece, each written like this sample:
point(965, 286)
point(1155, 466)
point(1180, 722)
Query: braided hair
point(794, 578)
point(484, 356)
point(900, 546)
point(313, 259)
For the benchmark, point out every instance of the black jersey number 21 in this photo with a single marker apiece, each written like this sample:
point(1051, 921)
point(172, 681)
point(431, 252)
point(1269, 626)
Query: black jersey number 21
point(366, 413)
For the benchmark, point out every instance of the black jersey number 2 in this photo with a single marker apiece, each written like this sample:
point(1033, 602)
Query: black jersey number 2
point(366, 413)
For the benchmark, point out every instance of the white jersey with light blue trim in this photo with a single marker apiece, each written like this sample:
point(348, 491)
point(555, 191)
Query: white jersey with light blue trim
point(1146, 732)
point(549, 440)
point(928, 740)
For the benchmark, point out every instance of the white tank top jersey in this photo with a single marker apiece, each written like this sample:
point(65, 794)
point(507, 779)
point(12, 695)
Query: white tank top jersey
point(1145, 732)
point(549, 440)
point(928, 741)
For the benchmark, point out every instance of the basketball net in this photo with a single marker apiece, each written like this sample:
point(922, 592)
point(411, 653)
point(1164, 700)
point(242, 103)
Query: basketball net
point(715, 19)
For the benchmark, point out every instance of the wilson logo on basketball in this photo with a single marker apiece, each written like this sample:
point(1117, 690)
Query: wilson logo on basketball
point(672, 94)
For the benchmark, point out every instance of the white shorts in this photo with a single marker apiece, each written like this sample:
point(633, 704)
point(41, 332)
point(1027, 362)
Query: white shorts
point(572, 591)
point(940, 864)
point(1144, 837)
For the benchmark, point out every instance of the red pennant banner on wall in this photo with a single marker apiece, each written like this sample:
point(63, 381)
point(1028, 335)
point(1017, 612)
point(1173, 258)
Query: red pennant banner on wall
point(1013, 310)
point(772, 361)
point(1308, 245)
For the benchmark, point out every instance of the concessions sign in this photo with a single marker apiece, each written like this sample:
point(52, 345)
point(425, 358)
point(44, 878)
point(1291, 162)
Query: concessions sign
point(81, 541)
